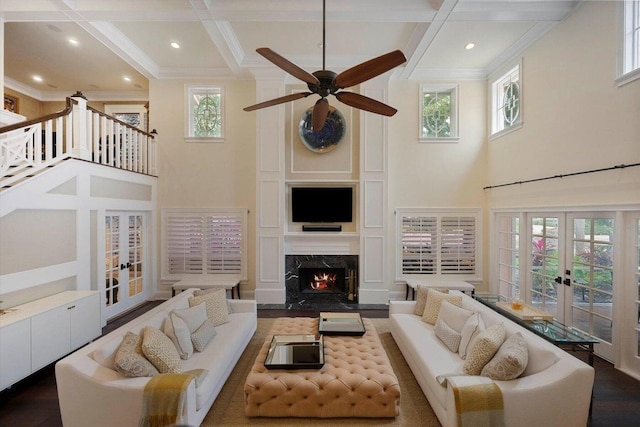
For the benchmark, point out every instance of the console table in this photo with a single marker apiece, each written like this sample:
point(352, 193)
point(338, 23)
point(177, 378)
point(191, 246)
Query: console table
point(557, 333)
point(458, 285)
point(228, 284)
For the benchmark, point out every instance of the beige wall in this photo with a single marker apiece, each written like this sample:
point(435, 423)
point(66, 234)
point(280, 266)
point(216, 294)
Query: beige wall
point(206, 175)
point(575, 118)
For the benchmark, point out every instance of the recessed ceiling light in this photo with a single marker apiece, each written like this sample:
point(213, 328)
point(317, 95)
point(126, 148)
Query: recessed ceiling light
point(73, 42)
point(470, 45)
point(175, 45)
point(37, 78)
point(126, 79)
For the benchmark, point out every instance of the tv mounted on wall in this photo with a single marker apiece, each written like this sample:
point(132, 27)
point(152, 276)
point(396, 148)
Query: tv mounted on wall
point(321, 204)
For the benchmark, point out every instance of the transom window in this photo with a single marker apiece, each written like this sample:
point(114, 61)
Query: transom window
point(205, 113)
point(630, 68)
point(439, 113)
point(506, 101)
point(438, 243)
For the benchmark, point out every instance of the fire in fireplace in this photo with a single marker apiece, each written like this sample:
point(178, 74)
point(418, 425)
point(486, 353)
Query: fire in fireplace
point(328, 280)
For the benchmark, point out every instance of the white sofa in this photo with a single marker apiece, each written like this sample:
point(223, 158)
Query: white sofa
point(92, 394)
point(554, 390)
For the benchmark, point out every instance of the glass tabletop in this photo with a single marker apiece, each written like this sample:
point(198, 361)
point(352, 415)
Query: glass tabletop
point(304, 351)
point(551, 330)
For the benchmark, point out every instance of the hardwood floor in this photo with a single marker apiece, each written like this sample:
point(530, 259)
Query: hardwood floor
point(33, 402)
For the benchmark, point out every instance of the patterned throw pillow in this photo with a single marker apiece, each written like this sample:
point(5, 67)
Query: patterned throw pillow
point(421, 298)
point(216, 303)
point(447, 335)
point(203, 335)
point(130, 361)
point(434, 301)
point(200, 292)
point(178, 331)
point(160, 351)
point(473, 326)
point(483, 348)
point(510, 361)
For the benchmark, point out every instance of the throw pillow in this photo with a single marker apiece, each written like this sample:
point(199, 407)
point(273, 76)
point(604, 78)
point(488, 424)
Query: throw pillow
point(130, 361)
point(216, 303)
point(483, 348)
point(472, 327)
point(193, 316)
point(178, 331)
point(510, 361)
point(160, 351)
point(454, 316)
point(421, 298)
point(200, 292)
point(434, 301)
point(203, 335)
point(447, 335)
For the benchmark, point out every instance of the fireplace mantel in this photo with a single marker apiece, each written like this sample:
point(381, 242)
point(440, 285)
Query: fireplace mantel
point(320, 243)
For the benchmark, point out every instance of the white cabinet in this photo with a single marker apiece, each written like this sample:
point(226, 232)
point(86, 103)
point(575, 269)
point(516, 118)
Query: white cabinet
point(15, 352)
point(40, 332)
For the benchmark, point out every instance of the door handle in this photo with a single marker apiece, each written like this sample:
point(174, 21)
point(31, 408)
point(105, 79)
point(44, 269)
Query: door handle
point(567, 282)
point(123, 266)
point(558, 280)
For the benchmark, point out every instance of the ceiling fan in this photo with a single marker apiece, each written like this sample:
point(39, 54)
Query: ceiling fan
point(325, 82)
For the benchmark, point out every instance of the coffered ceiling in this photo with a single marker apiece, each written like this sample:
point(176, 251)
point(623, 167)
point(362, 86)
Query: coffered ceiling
point(115, 39)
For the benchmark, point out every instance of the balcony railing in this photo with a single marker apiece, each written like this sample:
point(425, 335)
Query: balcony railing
point(79, 132)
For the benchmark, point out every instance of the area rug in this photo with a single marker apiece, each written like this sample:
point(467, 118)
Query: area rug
point(228, 409)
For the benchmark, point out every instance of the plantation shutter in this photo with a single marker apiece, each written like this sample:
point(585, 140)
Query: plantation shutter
point(204, 243)
point(458, 247)
point(437, 243)
point(419, 244)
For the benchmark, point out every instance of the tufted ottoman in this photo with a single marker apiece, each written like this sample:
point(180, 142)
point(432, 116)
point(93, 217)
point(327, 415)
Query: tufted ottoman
point(356, 380)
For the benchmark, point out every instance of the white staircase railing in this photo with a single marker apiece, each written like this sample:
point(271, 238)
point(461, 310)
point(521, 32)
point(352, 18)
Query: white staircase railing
point(79, 132)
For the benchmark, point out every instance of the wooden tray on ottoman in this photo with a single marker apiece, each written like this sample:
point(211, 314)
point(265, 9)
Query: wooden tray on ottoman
point(356, 380)
point(527, 312)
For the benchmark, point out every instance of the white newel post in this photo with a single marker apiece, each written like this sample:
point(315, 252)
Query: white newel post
point(270, 203)
point(80, 145)
point(374, 280)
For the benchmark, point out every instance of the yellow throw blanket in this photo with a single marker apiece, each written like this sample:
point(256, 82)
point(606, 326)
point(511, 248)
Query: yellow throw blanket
point(478, 401)
point(163, 401)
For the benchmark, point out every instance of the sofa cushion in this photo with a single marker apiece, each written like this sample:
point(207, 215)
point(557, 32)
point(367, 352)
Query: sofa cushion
point(510, 361)
point(422, 292)
point(216, 304)
point(203, 335)
point(472, 327)
point(483, 348)
point(130, 361)
point(454, 316)
point(178, 331)
point(200, 292)
point(160, 351)
point(449, 336)
point(434, 301)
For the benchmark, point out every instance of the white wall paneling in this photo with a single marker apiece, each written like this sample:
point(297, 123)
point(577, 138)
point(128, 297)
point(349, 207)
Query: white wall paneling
point(271, 204)
point(374, 196)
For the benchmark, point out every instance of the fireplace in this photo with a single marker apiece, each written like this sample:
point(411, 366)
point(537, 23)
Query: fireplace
point(327, 280)
point(313, 281)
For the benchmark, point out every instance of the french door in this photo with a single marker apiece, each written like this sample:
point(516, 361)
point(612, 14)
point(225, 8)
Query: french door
point(125, 252)
point(570, 271)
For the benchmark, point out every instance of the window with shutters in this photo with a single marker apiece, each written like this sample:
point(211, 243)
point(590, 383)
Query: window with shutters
point(439, 243)
point(204, 242)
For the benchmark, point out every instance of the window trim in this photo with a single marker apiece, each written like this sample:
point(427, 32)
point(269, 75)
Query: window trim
point(242, 213)
point(440, 213)
point(454, 89)
point(188, 118)
point(626, 73)
point(493, 82)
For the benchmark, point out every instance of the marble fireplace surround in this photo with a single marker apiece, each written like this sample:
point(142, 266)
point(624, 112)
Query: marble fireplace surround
point(297, 299)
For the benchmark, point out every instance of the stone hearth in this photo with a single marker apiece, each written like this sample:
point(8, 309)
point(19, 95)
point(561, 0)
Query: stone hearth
point(335, 296)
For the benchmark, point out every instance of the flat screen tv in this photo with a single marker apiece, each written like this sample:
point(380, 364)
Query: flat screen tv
point(321, 204)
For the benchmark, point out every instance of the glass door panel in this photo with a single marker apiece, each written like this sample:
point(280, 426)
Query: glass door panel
point(546, 265)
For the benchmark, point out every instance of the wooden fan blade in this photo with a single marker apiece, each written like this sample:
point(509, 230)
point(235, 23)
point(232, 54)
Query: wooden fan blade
point(319, 115)
point(288, 66)
point(277, 101)
point(365, 103)
point(369, 69)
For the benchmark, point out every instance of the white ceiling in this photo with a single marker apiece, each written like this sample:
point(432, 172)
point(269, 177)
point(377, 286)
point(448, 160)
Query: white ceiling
point(218, 39)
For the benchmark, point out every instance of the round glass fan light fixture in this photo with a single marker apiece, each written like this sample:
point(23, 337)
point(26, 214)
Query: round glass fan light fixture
point(327, 138)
